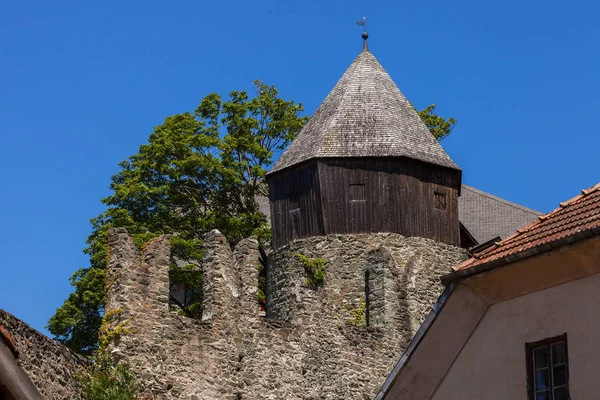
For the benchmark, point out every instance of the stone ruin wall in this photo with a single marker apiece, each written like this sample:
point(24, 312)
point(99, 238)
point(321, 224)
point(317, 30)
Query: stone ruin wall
point(305, 348)
point(52, 367)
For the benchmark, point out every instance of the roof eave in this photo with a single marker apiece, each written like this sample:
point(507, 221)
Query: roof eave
point(275, 170)
point(480, 268)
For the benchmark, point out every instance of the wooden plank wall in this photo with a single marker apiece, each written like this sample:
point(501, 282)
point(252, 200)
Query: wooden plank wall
point(295, 204)
point(399, 196)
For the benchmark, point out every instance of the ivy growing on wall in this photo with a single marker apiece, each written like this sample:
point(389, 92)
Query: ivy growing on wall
point(358, 315)
point(109, 331)
point(106, 379)
point(314, 268)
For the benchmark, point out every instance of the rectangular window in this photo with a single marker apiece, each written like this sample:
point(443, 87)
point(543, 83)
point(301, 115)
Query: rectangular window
point(357, 192)
point(295, 215)
point(440, 201)
point(548, 369)
point(295, 201)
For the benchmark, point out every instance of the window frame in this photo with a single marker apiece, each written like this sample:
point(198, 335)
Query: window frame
point(529, 354)
point(441, 200)
point(356, 190)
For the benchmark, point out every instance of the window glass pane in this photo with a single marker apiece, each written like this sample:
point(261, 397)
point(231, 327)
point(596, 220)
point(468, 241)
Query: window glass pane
point(542, 395)
point(559, 375)
point(561, 394)
point(558, 353)
point(541, 379)
point(540, 357)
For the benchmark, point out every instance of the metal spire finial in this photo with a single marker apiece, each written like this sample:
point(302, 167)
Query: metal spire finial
point(365, 35)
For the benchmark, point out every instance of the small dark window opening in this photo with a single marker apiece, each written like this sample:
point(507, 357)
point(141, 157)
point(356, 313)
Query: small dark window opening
point(367, 298)
point(295, 221)
point(294, 202)
point(186, 289)
point(295, 215)
point(440, 201)
point(357, 192)
point(548, 369)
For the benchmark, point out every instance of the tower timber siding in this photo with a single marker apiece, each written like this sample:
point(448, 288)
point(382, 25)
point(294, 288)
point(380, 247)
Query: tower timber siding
point(295, 200)
point(363, 195)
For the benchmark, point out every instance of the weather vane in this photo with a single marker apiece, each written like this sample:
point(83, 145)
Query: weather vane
point(363, 23)
point(365, 35)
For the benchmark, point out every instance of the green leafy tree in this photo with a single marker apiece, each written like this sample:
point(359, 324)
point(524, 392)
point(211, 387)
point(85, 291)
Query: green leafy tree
point(199, 171)
point(440, 127)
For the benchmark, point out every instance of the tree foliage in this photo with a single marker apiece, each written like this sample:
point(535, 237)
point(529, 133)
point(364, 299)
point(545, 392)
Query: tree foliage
point(199, 171)
point(440, 127)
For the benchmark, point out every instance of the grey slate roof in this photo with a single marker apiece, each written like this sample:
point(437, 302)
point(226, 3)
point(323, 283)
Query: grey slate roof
point(264, 206)
point(365, 115)
point(486, 216)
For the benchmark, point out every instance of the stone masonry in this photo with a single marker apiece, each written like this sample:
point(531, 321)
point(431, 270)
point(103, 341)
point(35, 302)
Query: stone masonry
point(52, 367)
point(307, 346)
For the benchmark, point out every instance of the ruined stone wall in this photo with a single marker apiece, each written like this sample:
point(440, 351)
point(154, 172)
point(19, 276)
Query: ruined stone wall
point(307, 347)
point(52, 367)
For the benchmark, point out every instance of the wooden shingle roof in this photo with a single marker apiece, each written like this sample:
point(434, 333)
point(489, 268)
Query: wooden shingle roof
point(365, 115)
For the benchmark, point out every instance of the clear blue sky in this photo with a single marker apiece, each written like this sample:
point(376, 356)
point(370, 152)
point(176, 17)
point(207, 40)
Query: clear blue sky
point(82, 84)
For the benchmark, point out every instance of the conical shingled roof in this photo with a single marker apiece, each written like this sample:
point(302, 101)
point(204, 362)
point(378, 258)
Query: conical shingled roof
point(365, 115)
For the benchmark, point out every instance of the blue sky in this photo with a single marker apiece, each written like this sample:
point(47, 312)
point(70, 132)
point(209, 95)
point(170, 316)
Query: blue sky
point(82, 84)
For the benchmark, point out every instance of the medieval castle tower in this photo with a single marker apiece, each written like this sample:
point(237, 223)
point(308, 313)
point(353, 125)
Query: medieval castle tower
point(364, 188)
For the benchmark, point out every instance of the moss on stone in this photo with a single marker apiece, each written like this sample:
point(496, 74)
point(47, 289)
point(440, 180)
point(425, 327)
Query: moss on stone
point(314, 268)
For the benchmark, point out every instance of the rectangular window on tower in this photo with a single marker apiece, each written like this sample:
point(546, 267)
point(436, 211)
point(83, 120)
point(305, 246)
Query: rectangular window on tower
point(548, 369)
point(295, 216)
point(357, 192)
point(295, 201)
point(440, 200)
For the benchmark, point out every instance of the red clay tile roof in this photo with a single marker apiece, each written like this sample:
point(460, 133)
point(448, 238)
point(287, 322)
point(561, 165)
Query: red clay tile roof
point(5, 336)
point(574, 218)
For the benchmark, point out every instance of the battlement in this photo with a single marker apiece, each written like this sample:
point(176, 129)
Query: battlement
point(316, 338)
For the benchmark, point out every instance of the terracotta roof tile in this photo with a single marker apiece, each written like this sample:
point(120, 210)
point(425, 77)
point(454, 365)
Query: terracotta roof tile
point(5, 337)
point(579, 215)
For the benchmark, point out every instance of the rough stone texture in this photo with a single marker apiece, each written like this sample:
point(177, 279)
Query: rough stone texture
point(52, 367)
point(306, 348)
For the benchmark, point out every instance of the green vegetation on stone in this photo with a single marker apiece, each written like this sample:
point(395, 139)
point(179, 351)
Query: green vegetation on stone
point(358, 315)
point(107, 381)
point(314, 268)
